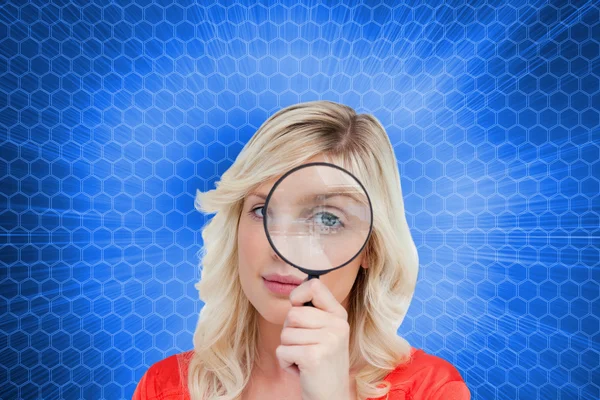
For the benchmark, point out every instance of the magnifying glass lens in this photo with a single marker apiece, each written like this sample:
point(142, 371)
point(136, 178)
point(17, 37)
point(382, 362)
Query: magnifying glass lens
point(318, 217)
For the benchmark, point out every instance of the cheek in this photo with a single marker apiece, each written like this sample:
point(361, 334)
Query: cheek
point(247, 257)
point(253, 254)
point(247, 241)
point(253, 248)
point(340, 281)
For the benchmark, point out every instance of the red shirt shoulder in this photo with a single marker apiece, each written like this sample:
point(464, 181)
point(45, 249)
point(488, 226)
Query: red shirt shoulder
point(426, 377)
point(165, 379)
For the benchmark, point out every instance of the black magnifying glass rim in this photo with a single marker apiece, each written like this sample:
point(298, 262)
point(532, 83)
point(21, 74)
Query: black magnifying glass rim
point(265, 217)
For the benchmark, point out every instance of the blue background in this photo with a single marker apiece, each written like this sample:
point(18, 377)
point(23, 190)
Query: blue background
point(113, 114)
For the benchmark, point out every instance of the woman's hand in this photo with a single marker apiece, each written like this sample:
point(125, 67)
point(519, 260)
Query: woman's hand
point(314, 343)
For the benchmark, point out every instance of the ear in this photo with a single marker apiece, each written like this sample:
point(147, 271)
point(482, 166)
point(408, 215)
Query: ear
point(364, 263)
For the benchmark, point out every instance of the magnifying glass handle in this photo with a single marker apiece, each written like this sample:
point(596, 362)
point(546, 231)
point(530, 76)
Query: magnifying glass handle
point(309, 303)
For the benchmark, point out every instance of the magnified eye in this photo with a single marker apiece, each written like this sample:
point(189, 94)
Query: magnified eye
point(328, 220)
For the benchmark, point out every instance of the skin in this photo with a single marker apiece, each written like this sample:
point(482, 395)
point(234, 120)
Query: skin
point(302, 350)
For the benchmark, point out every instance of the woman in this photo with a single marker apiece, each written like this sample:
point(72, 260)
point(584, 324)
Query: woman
point(253, 343)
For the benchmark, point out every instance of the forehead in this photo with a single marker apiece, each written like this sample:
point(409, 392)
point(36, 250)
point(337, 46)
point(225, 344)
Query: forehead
point(338, 180)
point(262, 190)
point(265, 186)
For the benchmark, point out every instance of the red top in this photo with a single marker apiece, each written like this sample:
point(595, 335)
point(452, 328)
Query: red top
point(425, 376)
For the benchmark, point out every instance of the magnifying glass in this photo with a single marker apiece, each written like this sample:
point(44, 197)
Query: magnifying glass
point(318, 218)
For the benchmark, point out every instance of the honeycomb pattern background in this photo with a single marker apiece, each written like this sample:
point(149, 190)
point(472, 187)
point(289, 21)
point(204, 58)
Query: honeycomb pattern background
point(112, 114)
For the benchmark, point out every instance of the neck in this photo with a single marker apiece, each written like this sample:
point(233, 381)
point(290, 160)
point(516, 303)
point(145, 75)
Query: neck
point(269, 338)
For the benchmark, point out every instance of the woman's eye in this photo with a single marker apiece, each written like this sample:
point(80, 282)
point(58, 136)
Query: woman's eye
point(328, 219)
point(254, 214)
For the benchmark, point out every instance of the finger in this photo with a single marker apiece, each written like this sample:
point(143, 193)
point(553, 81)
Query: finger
point(316, 291)
point(288, 357)
point(301, 336)
point(307, 317)
point(302, 355)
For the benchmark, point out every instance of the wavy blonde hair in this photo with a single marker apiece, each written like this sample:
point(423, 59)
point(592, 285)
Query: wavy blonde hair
point(227, 330)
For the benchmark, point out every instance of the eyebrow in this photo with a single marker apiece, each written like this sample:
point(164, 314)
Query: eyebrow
point(324, 196)
point(262, 196)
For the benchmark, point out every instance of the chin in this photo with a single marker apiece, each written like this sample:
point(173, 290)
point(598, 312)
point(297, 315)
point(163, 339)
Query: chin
point(274, 311)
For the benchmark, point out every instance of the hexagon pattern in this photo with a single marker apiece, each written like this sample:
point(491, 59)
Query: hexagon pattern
point(112, 114)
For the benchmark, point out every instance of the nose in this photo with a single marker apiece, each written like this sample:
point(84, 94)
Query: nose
point(275, 256)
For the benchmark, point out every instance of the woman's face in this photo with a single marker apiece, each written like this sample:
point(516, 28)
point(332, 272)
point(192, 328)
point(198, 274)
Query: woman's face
point(256, 259)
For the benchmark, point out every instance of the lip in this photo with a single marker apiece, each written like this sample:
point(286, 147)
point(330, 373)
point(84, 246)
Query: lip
point(287, 279)
point(280, 284)
point(279, 288)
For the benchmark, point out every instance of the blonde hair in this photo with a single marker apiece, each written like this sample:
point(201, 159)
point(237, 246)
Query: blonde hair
point(226, 334)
